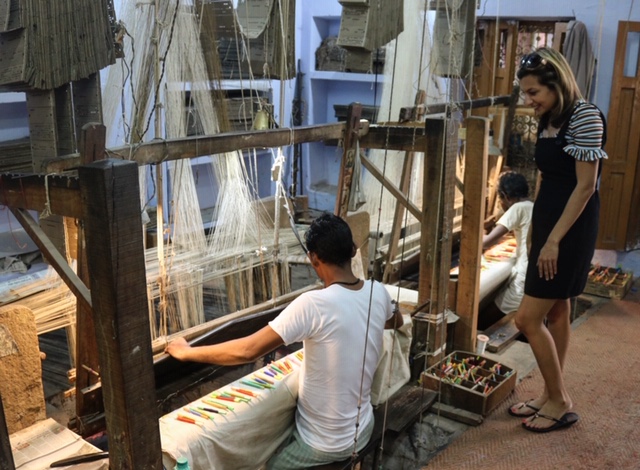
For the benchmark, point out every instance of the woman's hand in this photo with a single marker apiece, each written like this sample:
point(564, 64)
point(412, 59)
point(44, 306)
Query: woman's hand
point(178, 348)
point(548, 260)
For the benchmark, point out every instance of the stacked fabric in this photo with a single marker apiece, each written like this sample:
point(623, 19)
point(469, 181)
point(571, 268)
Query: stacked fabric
point(45, 44)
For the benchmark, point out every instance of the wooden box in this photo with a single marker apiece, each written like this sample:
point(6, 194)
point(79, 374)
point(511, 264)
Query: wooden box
point(470, 382)
point(613, 283)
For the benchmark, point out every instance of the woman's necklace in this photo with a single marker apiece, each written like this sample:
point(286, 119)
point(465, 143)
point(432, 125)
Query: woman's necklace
point(344, 283)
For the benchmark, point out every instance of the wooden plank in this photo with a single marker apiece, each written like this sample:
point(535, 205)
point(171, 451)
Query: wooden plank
point(508, 126)
point(419, 109)
point(406, 405)
point(415, 114)
point(473, 209)
point(398, 215)
point(348, 161)
point(197, 146)
point(194, 332)
point(169, 371)
point(53, 256)
point(87, 104)
point(43, 131)
point(6, 456)
point(502, 333)
point(113, 230)
point(58, 193)
point(437, 224)
point(457, 414)
point(409, 137)
point(494, 168)
point(392, 188)
point(92, 139)
point(65, 128)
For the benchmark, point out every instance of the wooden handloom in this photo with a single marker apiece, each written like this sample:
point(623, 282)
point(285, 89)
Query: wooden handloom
point(104, 196)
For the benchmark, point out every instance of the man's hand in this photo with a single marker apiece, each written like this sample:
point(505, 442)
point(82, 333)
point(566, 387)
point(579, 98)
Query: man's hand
point(178, 348)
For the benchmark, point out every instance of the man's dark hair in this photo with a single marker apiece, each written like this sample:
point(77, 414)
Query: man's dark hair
point(513, 185)
point(329, 237)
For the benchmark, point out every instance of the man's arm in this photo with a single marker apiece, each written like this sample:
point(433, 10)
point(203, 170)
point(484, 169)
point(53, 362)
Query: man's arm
point(395, 322)
point(229, 353)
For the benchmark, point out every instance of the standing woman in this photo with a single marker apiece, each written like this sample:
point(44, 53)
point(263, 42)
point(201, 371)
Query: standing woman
point(564, 226)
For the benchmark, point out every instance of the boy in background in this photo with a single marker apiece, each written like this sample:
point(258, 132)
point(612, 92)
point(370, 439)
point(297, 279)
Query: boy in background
point(513, 194)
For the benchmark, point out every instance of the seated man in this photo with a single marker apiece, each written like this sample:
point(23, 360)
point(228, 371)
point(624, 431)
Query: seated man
point(334, 415)
point(513, 193)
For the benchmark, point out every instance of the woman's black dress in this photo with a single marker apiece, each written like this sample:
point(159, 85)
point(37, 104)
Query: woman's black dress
point(576, 249)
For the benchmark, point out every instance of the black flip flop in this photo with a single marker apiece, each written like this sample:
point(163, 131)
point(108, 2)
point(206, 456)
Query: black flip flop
point(568, 419)
point(523, 405)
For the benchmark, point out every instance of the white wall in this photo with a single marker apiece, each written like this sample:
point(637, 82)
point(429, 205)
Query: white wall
point(599, 16)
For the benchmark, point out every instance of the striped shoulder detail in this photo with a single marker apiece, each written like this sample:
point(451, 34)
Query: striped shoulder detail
point(585, 133)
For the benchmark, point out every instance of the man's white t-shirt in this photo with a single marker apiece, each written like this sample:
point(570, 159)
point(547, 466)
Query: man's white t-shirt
point(334, 324)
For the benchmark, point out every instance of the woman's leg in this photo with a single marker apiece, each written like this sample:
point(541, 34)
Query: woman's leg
point(559, 325)
point(549, 346)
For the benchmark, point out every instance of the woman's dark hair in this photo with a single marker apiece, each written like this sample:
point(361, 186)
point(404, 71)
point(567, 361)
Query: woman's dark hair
point(513, 185)
point(553, 71)
point(329, 237)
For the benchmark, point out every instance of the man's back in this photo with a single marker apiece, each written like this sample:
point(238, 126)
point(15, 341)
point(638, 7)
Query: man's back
point(335, 323)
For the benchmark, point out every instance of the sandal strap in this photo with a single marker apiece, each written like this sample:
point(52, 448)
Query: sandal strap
point(550, 418)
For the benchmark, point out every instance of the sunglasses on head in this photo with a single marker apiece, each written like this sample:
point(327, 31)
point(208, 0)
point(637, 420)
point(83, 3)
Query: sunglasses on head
point(531, 61)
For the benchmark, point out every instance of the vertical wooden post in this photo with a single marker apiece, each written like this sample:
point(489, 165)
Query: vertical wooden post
point(417, 113)
point(348, 159)
point(473, 210)
point(6, 457)
point(437, 222)
point(113, 231)
point(87, 103)
point(92, 145)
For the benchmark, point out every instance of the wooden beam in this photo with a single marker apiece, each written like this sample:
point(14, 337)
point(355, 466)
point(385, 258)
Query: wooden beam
point(405, 181)
point(473, 209)
point(407, 113)
point(398, 216)
point(92, 140)
point(437, 226)
point(348, 160)
point(6, 456)
point(43, 131)
point(53, 256)
point(160, 344)
point(113, 230)
point(87, 103)
point(508, 126)
point(409, 137)
point(158, 151)
point(392, 188)
point(58, 193)
point(64, 120)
